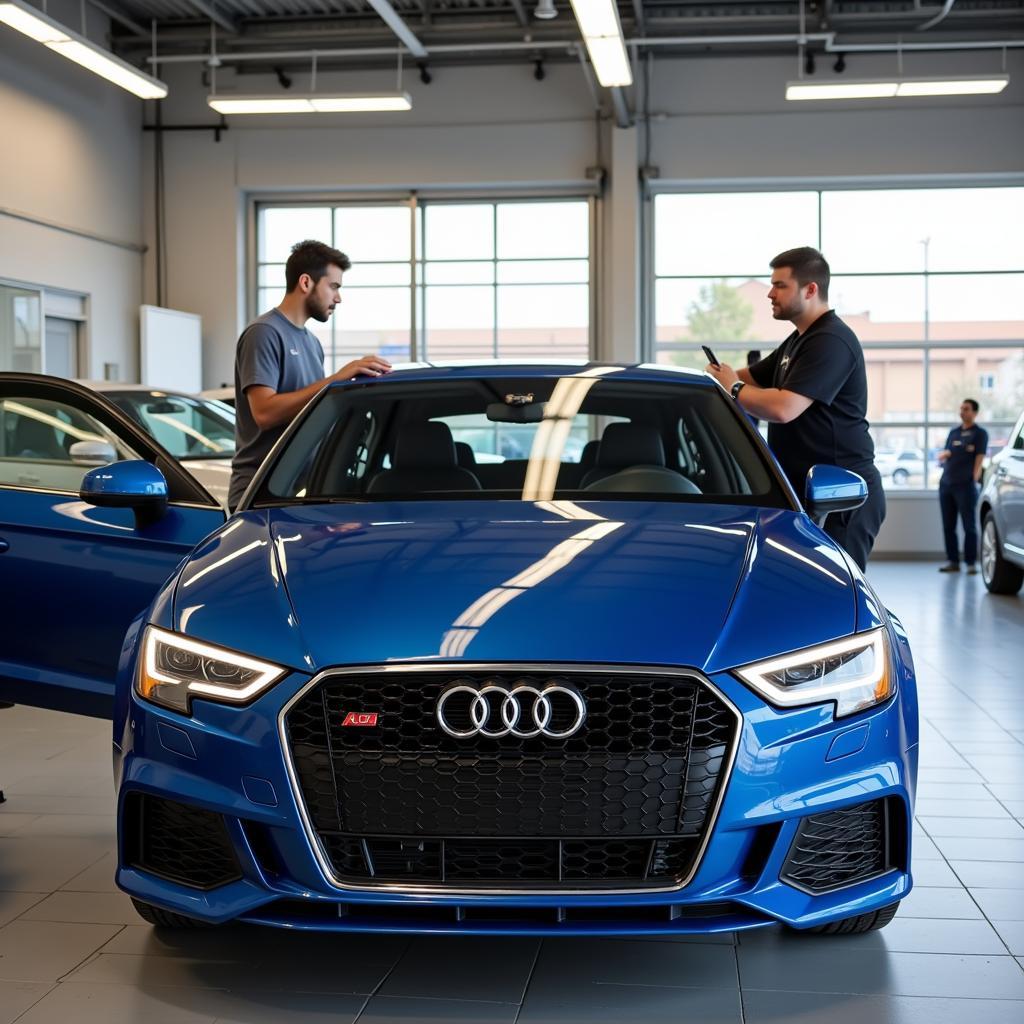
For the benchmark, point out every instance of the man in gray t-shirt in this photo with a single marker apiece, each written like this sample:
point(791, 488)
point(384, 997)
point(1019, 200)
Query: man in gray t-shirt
point(279, 364)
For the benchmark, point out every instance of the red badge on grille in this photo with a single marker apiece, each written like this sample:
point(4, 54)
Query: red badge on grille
point(363, 718)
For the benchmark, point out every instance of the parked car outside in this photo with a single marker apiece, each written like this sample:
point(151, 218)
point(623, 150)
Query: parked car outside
point(1001, 511)
point(198, 432)
point(651, 696)
point(900, 465)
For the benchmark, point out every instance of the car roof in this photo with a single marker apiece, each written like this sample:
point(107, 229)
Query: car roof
point(116, 385)
point(543, 370)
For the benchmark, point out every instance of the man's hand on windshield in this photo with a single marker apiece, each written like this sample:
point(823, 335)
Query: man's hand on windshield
point(368, 366)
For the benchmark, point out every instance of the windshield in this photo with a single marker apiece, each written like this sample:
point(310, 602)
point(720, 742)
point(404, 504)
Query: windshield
point(189, 428)
point(536, 439)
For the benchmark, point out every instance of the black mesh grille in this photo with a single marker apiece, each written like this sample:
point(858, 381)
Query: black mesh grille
point(181, 843)
point(843, 847)
point(405, 799)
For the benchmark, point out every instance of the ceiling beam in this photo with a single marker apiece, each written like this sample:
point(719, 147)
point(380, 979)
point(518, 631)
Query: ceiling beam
point(114, 13)
point(394, 21)
point(208, 9)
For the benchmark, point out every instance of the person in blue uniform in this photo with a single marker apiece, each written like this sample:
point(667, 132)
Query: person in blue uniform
point(961, 460)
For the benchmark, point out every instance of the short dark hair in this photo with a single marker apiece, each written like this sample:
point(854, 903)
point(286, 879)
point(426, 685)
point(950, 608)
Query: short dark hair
point(753, 356)
point(972, 402)
point(313, 258)
point(807, 265)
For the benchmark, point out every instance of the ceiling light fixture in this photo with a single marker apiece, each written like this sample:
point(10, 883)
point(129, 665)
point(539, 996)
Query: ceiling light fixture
point(353, 102)
point(602, 32)
point(868, 89)
point(54, 36)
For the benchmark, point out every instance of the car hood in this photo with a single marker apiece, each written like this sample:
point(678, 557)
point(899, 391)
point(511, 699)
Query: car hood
point(709, 586)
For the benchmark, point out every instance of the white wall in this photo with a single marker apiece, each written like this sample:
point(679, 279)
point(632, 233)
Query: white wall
point(70, 154)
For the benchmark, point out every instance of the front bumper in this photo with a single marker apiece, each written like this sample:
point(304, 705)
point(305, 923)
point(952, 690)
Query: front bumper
point(788, 765)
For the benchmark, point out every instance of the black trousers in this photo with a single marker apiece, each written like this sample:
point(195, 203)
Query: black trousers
point(959, 500)
point(855, 531)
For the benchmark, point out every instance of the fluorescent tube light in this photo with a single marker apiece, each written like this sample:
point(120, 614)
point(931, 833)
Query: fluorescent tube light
point(311, 104)
point(43, 29)
point(867, 89)
point(959, 86)
point(847, 90)
point(597, 17)
point(602, 32)
point(611, 65)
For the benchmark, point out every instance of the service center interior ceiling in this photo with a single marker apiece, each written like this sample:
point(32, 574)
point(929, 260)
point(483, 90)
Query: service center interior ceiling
point(292, 28)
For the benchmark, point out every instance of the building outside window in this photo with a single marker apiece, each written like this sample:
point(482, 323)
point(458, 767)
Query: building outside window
point(931, 280)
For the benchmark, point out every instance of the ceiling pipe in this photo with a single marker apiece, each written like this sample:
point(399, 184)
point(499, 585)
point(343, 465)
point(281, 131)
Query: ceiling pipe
point(827, 39)
point(941, 16)
point(394, 21)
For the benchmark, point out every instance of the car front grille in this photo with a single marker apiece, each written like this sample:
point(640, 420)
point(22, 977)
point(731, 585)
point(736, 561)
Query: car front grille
point(840, 848)
point(624, 802)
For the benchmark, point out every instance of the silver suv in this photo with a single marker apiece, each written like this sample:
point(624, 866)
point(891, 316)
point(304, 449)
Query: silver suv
point(1002, 517)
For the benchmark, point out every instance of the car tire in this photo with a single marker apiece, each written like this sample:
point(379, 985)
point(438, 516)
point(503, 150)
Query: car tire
point(856, 925)
point(900, 476)
point(160, 918)
point(1000, 576)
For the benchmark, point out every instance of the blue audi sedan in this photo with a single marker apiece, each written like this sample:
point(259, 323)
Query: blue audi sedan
point(494, 649)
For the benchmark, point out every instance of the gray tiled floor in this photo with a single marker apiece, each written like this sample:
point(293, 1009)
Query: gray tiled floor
point(72, 948)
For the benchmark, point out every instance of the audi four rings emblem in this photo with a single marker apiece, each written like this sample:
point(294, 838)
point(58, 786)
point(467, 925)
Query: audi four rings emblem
point(524, 711)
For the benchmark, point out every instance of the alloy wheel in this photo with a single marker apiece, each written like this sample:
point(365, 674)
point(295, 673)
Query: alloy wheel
point(988, 550)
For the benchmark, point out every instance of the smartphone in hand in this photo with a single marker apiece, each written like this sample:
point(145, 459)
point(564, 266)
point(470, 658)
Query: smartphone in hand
point(712, 359)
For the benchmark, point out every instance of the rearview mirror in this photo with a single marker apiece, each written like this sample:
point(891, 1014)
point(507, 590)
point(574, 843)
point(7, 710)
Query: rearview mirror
point(134, 484)
point(92, 453)
point(831, 489)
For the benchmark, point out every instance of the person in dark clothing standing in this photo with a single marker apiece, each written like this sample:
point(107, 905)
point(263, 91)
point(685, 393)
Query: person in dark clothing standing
point(279, 364)
point(958, 488)
point(813, 392)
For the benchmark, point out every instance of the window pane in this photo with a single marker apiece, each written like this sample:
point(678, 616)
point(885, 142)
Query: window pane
point(282, 226)
point(731, 233)
point(533, 230)
point(372, 309)
point(459, 273)
point(459, 323)
point(544, 272)
point(901, 458)
point(267, 299)
point(378, 233)
point(459, 232)
point(895, 384)
point(994, 377)
point(364, 274)
point(543, 321)
point(20, 330)
point(966, 229)
point(967, 299)
point(717, 312)
point(880, 308)
point(271, 275)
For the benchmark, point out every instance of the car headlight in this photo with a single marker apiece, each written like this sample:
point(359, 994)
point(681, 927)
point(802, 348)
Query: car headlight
point(855, 673)
point(174, 668)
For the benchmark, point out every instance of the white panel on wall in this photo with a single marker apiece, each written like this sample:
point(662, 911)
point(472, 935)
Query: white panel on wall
point(171, 353)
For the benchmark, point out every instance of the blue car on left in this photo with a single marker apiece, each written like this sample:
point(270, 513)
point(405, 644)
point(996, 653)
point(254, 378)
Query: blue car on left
point(611, 679)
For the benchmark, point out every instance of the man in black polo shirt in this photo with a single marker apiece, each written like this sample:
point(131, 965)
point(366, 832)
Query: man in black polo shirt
point(961, 460)
point(813, 392)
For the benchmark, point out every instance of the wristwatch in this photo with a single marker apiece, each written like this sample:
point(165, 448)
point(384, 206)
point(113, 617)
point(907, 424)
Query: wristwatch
point(737, 388)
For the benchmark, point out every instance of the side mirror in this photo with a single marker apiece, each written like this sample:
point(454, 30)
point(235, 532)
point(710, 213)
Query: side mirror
point(831, 489)
point(135, 484)
point(92, 453)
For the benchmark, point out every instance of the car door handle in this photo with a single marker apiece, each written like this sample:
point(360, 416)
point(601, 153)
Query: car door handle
point(3, 545)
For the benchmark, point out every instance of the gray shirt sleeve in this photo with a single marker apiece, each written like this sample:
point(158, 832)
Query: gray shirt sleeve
point(259, 357)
